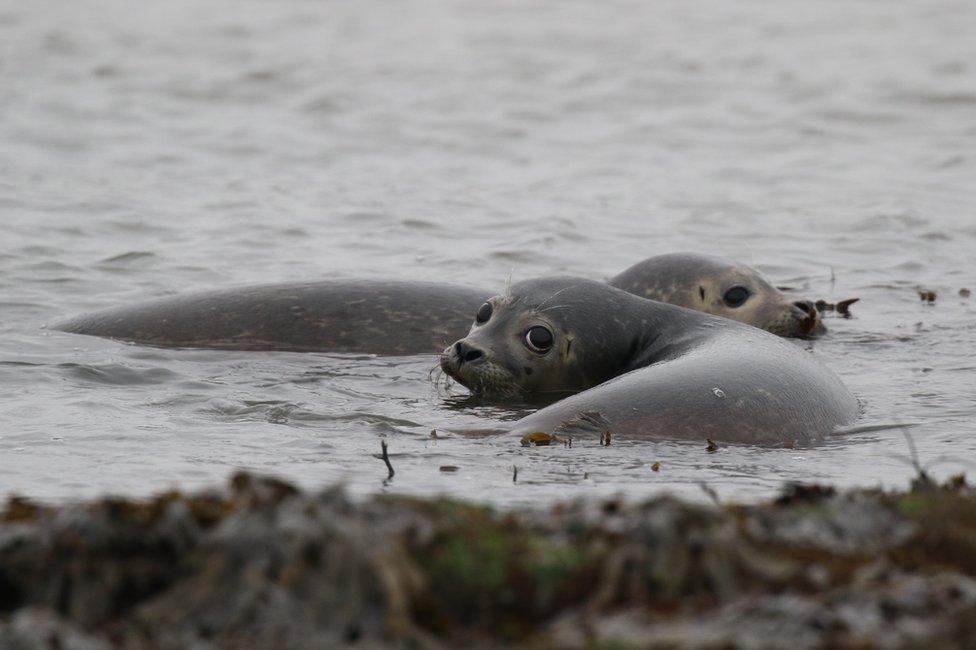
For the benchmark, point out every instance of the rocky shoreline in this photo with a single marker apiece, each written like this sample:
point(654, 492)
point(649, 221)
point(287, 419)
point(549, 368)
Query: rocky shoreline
point(260, 564)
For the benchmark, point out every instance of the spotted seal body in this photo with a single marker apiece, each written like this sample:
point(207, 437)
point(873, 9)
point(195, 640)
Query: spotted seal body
point(377, 317)
point(401, 317)
point(646, 369)
point(721, 287)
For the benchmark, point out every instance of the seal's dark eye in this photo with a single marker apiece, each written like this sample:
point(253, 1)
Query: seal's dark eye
point(539, 339)
point(735, 296)
point(484, 313)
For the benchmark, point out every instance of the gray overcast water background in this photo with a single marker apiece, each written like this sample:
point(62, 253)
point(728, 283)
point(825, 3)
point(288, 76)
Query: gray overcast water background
point(153, 148)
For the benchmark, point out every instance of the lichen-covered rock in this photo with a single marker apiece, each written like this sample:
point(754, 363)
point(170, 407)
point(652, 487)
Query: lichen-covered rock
point(261, 564)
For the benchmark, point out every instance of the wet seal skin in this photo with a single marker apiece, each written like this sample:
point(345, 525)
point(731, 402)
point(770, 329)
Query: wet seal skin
point(365, 316)
point(721, 287)
point(404, 317)
point(646, 369)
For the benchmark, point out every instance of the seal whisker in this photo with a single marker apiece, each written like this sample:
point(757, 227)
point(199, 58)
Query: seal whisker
point(550, 308)
point(440, 379)
point(573, 286)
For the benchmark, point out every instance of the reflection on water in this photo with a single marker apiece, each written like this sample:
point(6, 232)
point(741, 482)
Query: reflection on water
point(183, 146)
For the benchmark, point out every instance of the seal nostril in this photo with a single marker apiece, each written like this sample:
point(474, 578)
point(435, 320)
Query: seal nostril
point(805, 306)
point(466, 353)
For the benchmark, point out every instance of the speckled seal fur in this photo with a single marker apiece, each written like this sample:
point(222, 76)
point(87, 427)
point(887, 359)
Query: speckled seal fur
point(705, 283)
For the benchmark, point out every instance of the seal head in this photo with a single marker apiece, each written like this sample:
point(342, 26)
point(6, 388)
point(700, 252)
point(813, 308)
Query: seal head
point(723, 288)
point(552, 335)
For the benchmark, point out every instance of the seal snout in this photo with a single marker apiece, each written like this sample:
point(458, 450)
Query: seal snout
point(461, 359)
point(808, 316)
point(477, 369)
point(806, 306)
point(467, 353)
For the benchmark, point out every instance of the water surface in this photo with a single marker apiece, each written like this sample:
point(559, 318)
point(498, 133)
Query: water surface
point(177, 146)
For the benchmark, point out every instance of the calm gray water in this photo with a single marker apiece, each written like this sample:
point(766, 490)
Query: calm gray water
point(153, 148)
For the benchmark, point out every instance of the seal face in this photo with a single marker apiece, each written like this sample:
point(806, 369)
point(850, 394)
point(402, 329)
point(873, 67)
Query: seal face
point(645, 369)
point(551, 335)
point(723, 288)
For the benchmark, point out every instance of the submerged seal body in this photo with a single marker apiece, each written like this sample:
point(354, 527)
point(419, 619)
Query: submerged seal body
point(377, 317)
point(646, 369)
point(402, 317)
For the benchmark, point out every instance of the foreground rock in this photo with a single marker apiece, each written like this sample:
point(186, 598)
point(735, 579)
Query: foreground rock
point(262, 565)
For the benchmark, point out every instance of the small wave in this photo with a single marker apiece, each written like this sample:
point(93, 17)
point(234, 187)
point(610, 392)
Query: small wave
point(419, 224)
point(360, 217)
point(376, 421)
point(273, 411)
point(936, 98)
point(888, 222)
point(325, 105)
point(873, 428)
point(118, 375)
point(519, 257)
point(125, 258)
point(276, 412)
point(860, 117)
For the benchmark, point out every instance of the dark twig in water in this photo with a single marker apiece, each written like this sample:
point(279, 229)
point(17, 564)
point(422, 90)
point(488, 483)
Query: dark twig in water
point(385, 457)
point(712, 447)
point(843, 307)
point(912, 452)
point(707, 489)
point(923, 480)
point(514, 473)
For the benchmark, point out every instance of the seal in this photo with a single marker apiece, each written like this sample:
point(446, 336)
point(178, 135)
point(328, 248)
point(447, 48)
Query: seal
point(721, 287)
point(403, 317)
point(361, 316)
point(646, 369)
